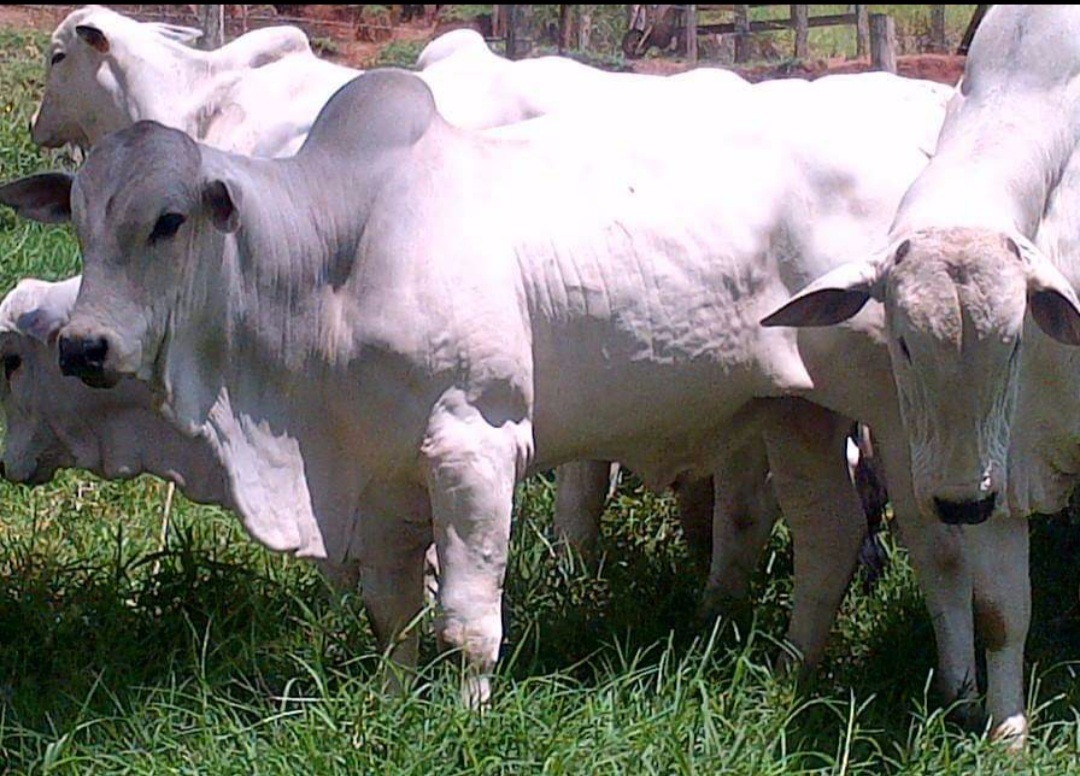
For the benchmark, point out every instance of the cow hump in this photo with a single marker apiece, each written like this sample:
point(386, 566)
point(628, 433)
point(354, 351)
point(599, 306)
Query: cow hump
point(379, 110)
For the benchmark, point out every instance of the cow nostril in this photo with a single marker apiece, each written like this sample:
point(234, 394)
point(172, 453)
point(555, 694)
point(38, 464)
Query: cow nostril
point(95, 350)
point(83, 356)
point(965, 512)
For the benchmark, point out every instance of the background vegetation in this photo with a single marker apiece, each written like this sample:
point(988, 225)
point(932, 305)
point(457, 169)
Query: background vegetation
point(212, 656)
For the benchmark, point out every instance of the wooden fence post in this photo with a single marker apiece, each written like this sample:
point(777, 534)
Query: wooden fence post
point(212, 21)
point(742, 32)
point(882, 42)
point(564, 28)
point(691, 33)
point(937, 29)
point(862, 31)
point(518, 30)
point(584, 31)
point(800, 18)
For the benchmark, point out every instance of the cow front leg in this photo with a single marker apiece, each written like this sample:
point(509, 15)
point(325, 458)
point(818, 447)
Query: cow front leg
point(471, 470)
point(999, 549)
point(940, 559)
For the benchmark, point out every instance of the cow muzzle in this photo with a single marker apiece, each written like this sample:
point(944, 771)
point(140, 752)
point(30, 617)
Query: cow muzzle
point(85, 357)
point(971, 512)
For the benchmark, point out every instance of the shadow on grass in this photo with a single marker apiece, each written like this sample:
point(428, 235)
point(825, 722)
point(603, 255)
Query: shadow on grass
point(68, 628)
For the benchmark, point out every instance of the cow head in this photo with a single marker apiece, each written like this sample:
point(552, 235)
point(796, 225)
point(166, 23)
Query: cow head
point(30, 317)
point(955, 301)
point(55, 421)
point(85, 83)
point(144, 214)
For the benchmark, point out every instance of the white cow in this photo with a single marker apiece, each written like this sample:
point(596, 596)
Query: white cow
point(984, 238)
point(476, 88)
point(106, 71)
point(54, 421)
point(259, 95)
point(512, 346)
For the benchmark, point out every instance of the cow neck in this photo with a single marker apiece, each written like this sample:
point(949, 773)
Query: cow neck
point(995, 167)
point(299, 219)
point(186, 70)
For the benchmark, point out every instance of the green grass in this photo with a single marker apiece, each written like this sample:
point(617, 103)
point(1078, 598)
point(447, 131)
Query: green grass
point(214, 656)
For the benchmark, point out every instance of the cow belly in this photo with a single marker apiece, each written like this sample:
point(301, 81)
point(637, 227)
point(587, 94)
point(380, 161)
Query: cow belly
point(653, 417)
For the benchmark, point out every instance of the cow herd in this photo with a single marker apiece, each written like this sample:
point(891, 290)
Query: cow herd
point(357, 309)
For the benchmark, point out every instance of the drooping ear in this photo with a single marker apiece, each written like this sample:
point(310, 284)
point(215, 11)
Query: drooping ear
point(39, 308)
point(1051, 298)
point(45, 197)
point(93, 37)
point(832, 298)
point(42, 323)
point(177, 32)
point(222, 206)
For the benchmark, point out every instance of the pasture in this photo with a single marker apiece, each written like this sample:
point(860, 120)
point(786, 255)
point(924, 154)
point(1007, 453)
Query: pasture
point(206, 654)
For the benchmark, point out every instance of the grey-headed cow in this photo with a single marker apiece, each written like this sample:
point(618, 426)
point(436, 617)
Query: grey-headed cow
point(978, 290)
point(380, 335)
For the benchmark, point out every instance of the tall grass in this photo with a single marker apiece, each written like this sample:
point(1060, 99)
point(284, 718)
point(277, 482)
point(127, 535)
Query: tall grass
point(223, 658)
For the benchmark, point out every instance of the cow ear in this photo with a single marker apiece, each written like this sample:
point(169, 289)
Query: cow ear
point(222, 205)
point(45, 198)
point(41, 323)
point(93, 37)
point(1051, 298)
point(832, 298)
point(177, 32)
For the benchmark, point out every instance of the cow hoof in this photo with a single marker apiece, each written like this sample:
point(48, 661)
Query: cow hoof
point(968, 714)
point(1012, 733)
point(476, 693)
point(716, 604)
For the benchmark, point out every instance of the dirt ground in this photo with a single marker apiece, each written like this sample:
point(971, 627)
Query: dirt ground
point(358, 41)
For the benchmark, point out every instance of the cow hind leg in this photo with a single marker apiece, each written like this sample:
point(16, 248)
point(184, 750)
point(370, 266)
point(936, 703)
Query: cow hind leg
point(806, 447)
point(581, 490)
point(392, 584)
point(744, 511)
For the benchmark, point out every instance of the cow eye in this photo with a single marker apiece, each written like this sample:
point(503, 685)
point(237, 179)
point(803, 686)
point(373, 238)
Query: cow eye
point(904, 350)
point(11, 364)
point(57, 58)
point(166, 226)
